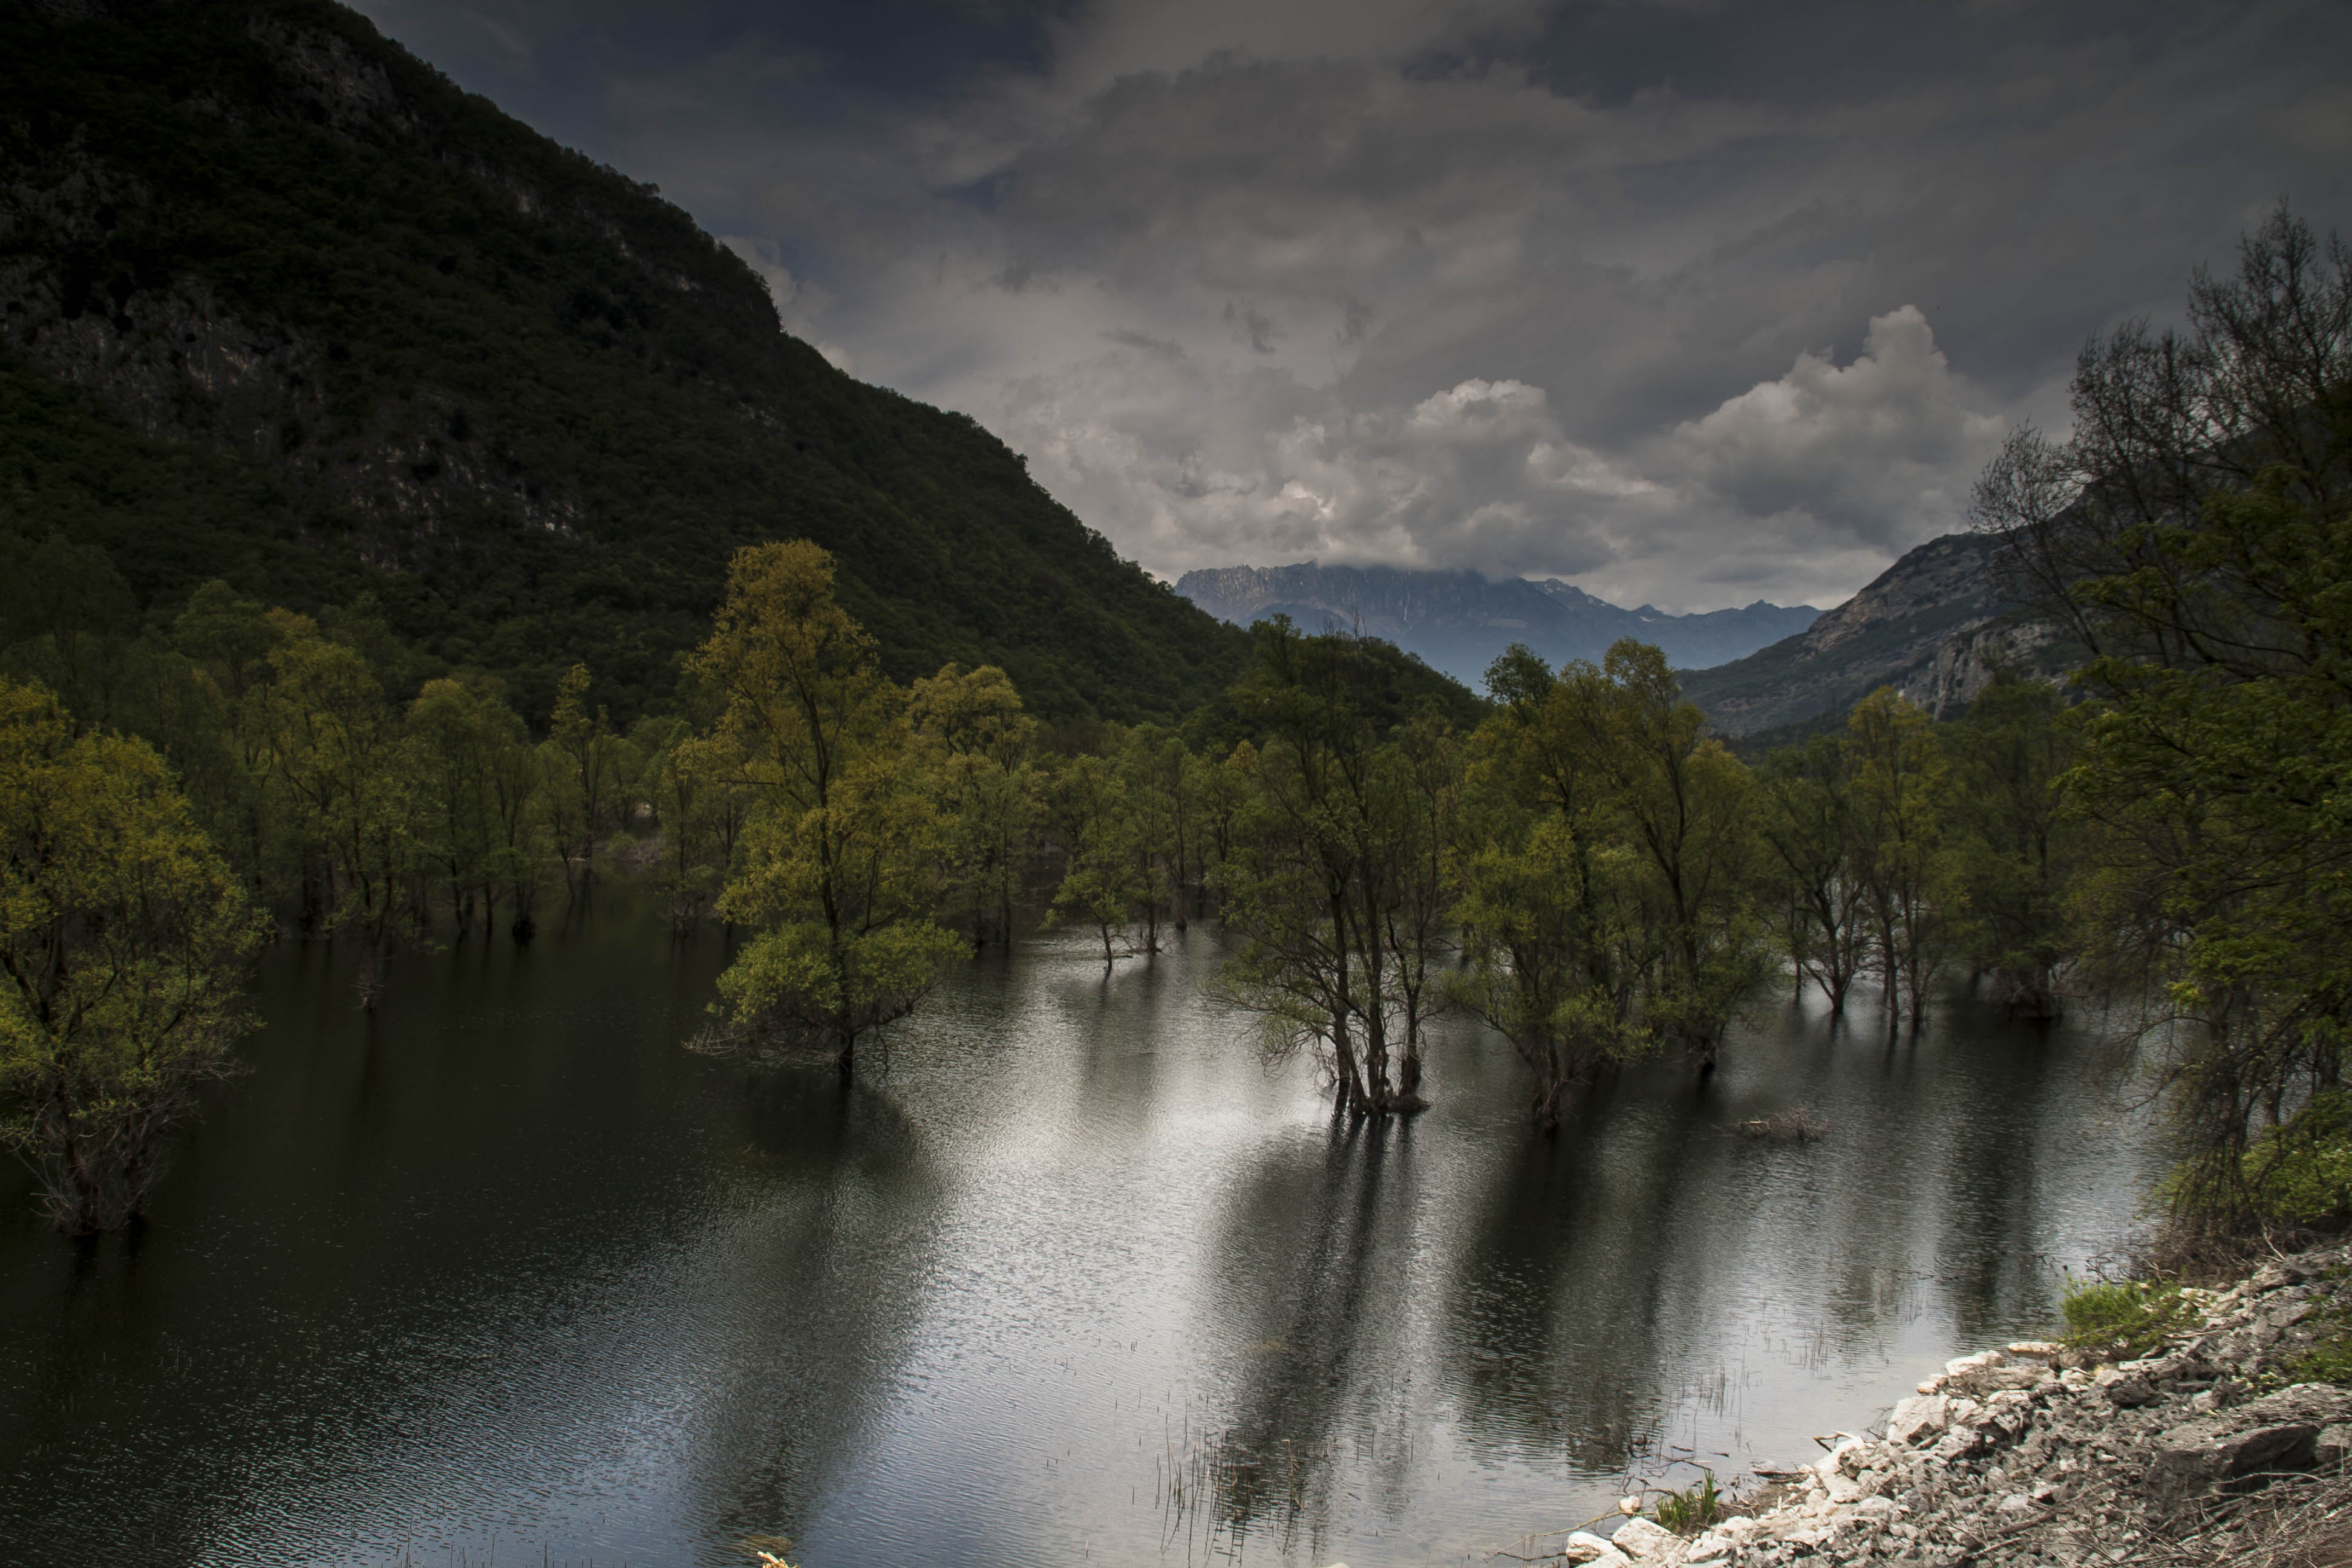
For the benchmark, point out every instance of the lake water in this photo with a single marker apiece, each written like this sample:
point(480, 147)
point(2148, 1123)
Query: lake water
point(503, 1274)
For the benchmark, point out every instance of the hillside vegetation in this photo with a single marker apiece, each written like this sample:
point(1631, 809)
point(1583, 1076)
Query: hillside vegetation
point(285, 307)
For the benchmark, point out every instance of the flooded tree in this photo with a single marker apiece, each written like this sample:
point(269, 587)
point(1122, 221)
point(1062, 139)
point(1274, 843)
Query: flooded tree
point(982, 754)
point(839, 867)
point(584, 767)
point(1657, 822)
point(1327, 878)
point(343, 779)
point(1555, 928)
point(124, 937)
point(2020, 847)
point(468, 743)
point(1105, 877)
point(1910, 882)
point(1811, 871)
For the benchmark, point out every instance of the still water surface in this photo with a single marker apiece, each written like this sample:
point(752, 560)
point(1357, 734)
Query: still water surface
point(503, 1274)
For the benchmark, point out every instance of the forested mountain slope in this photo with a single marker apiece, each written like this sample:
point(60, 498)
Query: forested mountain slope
point(285, 306)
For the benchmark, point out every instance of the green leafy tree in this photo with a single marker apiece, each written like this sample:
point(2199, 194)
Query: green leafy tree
point(344, 776)
point(2019, 847)
point(839, 865)
point(1104, 883)
point(67, 618)
point(469, 747)
point(1149, 766)
point(124, 937)
point(228, 641)
point(1328, 849)
point(980, 752)
point(1425, 772)
point(519, 861)
point(1557, 932)
point(706, 797)
point(1909, 882)
point(1216, 788)
point(1812, 868)
point(1614, 750)
point(1691, 806)
point(1554, 917)
point(2190, 535)
point(586, 769)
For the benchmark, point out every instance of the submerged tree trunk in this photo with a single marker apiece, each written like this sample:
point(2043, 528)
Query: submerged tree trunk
point(1551, 1087)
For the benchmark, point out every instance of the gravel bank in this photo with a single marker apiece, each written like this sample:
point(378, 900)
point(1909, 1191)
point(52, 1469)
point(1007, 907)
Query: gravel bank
point(2204, 1449)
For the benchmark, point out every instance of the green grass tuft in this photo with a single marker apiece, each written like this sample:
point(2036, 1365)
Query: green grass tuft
point(2330, 1359)
point(2122, 1320)
point(1692, 1509)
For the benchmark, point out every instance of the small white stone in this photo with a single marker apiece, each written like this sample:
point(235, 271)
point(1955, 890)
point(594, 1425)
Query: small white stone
point(1583, 1546)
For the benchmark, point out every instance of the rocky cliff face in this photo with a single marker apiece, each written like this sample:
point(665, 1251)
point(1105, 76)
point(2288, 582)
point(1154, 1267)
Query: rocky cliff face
point(1459, 621)
point(1933, 625)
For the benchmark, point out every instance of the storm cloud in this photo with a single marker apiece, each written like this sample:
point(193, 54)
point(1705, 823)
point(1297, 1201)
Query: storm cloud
point(1689, 302)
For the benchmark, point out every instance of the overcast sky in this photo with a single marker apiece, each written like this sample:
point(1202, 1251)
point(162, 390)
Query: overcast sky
point(1689, 302)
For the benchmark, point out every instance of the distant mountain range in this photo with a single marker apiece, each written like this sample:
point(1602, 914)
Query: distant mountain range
point(1935, 626)
point(1459, 621)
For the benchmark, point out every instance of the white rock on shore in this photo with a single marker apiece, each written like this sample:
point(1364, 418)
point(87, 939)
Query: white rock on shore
point(2014, 1456)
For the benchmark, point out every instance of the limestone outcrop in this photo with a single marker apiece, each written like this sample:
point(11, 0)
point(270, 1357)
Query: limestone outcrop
point(2032, 1453)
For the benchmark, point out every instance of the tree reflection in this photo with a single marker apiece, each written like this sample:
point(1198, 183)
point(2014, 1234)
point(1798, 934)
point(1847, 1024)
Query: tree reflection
point(1310, 1290)
point(813, 1288)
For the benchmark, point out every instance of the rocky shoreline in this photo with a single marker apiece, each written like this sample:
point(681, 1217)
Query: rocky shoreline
point(2200, 1449)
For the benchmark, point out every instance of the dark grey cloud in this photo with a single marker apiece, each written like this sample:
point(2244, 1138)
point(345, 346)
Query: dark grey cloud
point(1691, 301)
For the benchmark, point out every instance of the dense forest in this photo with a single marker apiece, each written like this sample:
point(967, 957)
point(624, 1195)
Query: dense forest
point(286, 308)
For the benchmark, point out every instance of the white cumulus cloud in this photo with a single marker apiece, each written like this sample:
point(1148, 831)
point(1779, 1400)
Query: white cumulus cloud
point(1783, 490)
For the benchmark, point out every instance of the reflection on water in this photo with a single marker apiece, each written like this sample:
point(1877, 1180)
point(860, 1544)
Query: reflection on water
point(504, 1274)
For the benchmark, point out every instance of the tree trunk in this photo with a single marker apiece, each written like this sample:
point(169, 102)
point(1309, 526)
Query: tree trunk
point(1549, 1091)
